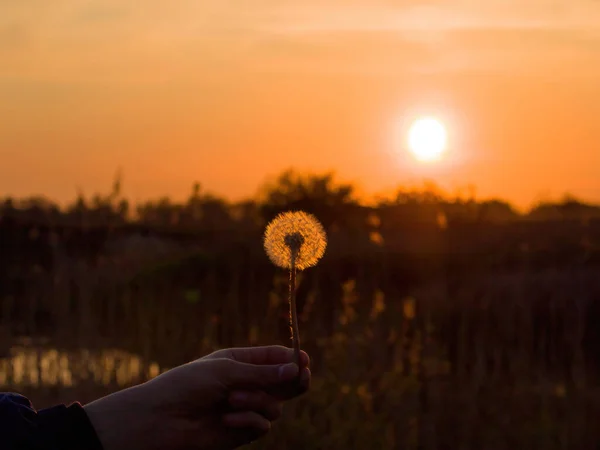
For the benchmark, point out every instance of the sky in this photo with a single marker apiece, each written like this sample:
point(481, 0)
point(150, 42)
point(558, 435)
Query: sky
point(231, 93)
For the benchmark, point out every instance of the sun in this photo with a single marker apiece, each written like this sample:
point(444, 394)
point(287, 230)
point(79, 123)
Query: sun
point(427, 139)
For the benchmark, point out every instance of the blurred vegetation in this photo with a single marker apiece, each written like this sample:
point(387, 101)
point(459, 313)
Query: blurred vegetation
point(433, 321)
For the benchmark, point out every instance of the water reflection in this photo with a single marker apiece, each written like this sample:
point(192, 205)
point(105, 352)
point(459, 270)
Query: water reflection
point(26, 366)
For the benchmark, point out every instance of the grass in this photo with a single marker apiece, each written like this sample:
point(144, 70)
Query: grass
point(496, 362)
point(462, 333)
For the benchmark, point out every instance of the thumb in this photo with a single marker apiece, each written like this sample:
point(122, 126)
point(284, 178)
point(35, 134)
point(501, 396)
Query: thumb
point(236, 374)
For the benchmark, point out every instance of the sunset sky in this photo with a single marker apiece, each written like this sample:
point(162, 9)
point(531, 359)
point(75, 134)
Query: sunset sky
point(231, 92)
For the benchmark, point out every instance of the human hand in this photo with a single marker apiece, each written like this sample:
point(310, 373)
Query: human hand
point(221, 401)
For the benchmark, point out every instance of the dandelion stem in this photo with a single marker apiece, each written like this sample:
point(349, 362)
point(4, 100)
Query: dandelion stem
point(293, 310)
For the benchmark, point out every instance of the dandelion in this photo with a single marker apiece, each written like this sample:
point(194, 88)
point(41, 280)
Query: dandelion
point(295, 240)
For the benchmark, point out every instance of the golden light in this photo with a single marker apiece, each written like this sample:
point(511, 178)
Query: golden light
point(427, 139)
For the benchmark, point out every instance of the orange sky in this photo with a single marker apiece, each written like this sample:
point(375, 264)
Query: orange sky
point(230, 92)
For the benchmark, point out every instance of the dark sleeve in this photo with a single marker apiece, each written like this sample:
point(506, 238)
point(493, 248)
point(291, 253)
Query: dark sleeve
point(57, 428)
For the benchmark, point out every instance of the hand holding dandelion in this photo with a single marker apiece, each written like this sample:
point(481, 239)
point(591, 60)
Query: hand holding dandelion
point(295, 241)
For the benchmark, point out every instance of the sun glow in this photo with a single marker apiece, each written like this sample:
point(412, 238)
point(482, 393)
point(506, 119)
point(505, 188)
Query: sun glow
point(427, 139)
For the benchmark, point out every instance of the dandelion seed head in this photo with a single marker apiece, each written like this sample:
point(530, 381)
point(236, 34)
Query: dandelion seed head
point(298, 232)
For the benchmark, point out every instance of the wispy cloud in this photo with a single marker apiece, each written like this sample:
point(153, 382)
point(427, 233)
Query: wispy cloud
point(438, 36)
point(123, 40)
point(439, 16)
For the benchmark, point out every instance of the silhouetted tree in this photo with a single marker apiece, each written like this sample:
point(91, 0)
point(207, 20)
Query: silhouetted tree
point(333, 203)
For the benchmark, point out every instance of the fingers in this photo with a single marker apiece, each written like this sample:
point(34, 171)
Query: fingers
point(247, 419)
point(291, 389)
point(305, 379)
point(280, 381)
point(233, 374)
point(253, 412)
point(264, 404)
point(271, 354)
point(246, 426)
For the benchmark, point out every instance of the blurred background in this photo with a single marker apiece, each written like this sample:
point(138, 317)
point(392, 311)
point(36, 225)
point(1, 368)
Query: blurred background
point(449, 149)
point(433, 321)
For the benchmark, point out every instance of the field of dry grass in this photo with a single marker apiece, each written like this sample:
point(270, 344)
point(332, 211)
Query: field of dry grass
point(432, 334)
